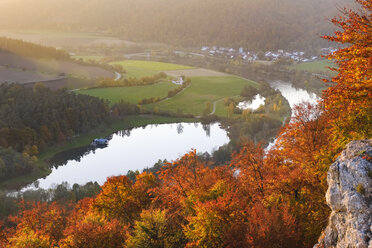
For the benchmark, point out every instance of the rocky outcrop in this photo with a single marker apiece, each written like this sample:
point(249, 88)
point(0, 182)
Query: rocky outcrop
point(349, 196)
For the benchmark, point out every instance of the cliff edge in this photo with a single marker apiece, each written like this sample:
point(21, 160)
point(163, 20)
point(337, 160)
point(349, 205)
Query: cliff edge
point(349, 196)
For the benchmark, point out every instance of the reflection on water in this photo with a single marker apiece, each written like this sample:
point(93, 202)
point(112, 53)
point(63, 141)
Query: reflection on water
point(256, 102)
point(133, 149)
point(294, 96)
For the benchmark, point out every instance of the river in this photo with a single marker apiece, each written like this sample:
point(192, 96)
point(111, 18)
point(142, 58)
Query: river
point(294, 96)
point(133, 149)
point(142, 147)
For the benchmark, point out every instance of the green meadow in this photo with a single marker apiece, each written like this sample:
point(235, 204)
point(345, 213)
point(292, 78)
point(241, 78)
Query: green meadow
point(130, 94)
point(193, 100)
point(315, 66)
point(203, 90)
point(139, 68)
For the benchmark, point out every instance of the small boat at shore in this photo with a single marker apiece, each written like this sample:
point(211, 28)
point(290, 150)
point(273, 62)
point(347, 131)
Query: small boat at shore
point(99, 142)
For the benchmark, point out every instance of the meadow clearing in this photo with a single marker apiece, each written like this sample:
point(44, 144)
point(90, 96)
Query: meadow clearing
point(207, 88)
point(204, 90)
point(131, 94)
point(139, 68)
point(319, 66)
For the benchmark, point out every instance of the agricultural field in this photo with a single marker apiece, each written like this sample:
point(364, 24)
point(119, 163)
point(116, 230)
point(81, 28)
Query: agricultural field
point(320, 66)
point(14, 68)
point(207, 87)
point(16, 75)
point(138, 68)
point(130, 94)
point(193, 100)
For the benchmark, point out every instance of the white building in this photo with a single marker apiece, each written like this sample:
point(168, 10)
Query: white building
point(178, 82)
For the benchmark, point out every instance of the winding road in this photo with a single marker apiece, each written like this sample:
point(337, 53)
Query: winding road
point(117, 76)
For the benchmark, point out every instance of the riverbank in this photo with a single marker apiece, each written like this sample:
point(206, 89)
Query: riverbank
point(43, 168)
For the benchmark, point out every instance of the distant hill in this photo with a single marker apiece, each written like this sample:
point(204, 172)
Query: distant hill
point(27, 49)
point(24, 62)
point(254, 24)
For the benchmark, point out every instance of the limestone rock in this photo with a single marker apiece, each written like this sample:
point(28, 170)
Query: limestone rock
point(349, 196)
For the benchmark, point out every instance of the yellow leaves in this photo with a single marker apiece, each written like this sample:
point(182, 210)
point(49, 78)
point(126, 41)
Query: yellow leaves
point(29, 239)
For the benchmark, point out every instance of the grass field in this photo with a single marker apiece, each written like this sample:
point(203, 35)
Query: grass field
point(212, 87)
point(21, 76)
point(193, 100)
point(139, 68)
point(130, 94)
point(315, 66)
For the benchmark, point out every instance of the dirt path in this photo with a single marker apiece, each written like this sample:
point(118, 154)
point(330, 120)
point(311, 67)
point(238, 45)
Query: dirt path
point(165, 99)
point(117, 76)
point(214, 106)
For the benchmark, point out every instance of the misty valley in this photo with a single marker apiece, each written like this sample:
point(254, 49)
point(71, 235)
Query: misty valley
point(172, 123)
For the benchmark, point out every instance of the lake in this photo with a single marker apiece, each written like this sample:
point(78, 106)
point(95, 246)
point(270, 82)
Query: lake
point(133, 149)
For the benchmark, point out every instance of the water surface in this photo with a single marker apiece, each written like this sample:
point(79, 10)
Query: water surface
point(294, 96)
point(134, 149)
point(256, 102)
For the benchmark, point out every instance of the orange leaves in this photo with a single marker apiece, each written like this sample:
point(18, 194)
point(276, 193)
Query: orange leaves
point(350, 98)
point(269, 227)
point(155, 229)
point(94, 231)
point(189, 205)
point(307, 134)
point(217, 223)
point(122, 199)
point(29, 239)
point(183, 181)
point(43, 224)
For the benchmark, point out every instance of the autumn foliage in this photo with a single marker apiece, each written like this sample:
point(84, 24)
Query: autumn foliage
point(259, 199)
point(350, 99)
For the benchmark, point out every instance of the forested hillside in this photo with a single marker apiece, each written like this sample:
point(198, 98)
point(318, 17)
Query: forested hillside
point(27, 49)
point(258, 25)
point(33, 118)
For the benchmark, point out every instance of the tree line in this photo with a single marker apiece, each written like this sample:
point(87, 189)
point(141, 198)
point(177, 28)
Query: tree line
point(128, 82)
point(28, 49)
point(32, 119)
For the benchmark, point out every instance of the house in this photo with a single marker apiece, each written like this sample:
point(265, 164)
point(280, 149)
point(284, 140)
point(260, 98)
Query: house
point(178, 82)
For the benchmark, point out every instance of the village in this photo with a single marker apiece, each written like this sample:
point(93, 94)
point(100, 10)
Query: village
point(251, 56)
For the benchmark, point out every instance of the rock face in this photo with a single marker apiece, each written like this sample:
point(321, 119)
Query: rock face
point(349, 196)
